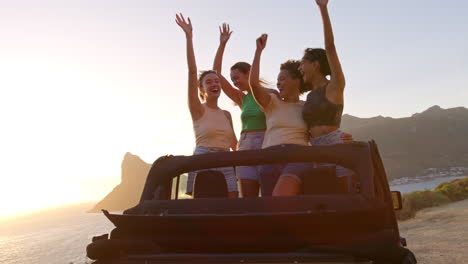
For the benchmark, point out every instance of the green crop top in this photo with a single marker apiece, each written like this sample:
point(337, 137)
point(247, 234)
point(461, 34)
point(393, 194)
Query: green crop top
point(252, 116)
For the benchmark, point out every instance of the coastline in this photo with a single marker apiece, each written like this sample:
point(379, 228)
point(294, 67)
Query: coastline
point(422, 183)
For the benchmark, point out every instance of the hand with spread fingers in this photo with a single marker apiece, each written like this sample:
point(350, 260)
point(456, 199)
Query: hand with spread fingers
point(261, 42)
point(185, 25)
point(224, 33)
point(322, 3)
point(195, 106)
point(233, 93)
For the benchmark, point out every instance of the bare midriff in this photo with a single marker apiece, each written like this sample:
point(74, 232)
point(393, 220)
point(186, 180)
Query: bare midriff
point(255, 130)
point(225, 149)
point(318, 131)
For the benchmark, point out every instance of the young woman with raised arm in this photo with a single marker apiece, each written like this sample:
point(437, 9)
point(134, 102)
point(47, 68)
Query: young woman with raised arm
point(285, 124)
point(324, 105)
point(253, 119)
point(212, 126)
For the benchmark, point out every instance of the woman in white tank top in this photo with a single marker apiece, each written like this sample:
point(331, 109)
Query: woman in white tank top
point(212, 126)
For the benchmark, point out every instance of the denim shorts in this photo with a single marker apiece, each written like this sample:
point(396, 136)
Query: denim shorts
point(229, 172)
point(248, 141)
point(296, 170)
point(269, 175)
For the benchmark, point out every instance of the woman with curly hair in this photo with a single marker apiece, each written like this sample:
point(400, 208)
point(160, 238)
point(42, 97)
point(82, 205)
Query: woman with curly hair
point(285, 125)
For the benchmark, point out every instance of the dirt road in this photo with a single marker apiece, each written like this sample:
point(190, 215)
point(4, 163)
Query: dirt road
point(439, 235)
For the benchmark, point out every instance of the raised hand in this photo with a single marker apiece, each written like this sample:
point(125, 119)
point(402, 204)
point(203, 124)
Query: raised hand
point(322, 3)
point(262, 41)
point(260, 94)
point(186, 26)
point(224, 33)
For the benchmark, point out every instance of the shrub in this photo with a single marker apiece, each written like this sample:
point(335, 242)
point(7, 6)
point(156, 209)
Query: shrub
point(455, 190)
point(407, 211)
point(444, 193)
point(415, 201)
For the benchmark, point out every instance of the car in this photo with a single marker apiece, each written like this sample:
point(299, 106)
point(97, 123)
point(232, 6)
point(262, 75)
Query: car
point(324, 224)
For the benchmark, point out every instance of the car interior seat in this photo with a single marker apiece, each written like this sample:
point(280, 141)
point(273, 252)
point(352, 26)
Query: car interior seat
point(323, 180)
point(210, 184)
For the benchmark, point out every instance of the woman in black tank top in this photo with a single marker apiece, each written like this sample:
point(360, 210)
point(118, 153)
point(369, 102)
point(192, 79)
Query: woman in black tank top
point(325, 101)
point(323, 108)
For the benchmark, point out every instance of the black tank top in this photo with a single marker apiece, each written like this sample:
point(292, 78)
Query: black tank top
point(318, 111)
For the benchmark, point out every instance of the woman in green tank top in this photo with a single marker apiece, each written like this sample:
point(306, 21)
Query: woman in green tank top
point(253, 119)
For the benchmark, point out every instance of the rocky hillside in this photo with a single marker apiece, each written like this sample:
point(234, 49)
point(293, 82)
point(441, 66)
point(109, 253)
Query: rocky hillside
point(435, 138)
point(127, 193)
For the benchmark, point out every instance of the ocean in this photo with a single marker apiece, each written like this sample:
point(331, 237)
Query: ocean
point(56, 237)
point(60, 236)
point(423, 185)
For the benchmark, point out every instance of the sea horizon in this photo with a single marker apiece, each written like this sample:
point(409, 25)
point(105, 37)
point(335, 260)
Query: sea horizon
point(430, 183)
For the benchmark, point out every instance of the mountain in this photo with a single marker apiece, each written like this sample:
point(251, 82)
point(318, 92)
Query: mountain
point(435, 138)
point(127, 193)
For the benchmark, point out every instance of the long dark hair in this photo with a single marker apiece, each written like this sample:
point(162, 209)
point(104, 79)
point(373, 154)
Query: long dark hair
point(245, 67)
point(320, 55)
point(241, 66)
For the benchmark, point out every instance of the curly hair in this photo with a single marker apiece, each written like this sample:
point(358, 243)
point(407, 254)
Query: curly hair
point(319, 55)
point(292, 66)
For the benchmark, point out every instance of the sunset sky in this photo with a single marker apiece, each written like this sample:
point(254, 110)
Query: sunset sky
point(84, 82)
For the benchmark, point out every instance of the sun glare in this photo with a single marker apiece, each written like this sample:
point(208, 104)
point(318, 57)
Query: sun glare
point(67, 130)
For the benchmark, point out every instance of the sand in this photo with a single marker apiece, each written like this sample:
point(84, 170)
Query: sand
point(439, 234)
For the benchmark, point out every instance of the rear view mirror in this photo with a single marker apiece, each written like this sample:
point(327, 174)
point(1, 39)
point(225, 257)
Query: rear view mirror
point(397, 201)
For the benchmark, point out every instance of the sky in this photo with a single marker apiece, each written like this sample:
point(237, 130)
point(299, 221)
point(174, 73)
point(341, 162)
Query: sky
point(84, 82)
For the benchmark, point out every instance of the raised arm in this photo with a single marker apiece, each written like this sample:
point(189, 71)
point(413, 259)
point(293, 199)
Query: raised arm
point(260, 94)
point(337, 81)
point(195, 106)
point(233, 93)
point(224, 35)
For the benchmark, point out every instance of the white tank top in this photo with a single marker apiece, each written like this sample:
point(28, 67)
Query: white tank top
point(213, 129)
point(285, 124)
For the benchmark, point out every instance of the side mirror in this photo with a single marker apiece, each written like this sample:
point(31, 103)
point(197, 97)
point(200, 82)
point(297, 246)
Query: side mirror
point(396, 199)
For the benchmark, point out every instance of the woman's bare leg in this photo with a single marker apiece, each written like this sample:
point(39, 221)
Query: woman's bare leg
point(287, 186)
point(249, 188)
point(233, 194)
